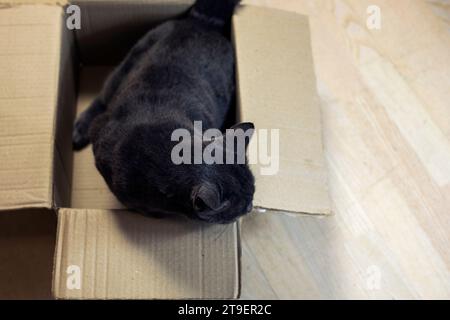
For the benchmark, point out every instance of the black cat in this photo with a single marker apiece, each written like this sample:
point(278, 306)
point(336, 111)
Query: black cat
point(180, 72)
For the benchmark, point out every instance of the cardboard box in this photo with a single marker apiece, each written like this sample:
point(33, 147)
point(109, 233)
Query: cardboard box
point(48, 74)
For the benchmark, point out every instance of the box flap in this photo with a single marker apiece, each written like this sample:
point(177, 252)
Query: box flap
point(277, 90)
point(156, 258)
point(30, 42)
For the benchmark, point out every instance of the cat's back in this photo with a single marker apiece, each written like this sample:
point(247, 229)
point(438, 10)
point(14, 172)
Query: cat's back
point(192, 42)
point(187, 50)
point(190, 59)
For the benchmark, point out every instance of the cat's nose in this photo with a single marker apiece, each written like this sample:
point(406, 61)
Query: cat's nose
point(250, 207)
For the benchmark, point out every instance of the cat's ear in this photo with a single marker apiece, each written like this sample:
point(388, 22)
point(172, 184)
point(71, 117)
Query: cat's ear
point(245, 130)
point(244, 126)
point(206, 197)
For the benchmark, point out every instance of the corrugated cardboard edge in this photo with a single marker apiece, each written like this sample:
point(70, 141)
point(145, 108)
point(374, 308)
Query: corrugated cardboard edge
point(32, 2)
point(37, 205)
point(57, 262)
point(56, 165)
point(55, 111)
point(65, 115)
point(323, 213)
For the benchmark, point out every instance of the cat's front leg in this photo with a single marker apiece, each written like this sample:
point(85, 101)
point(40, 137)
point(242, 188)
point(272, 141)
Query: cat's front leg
point(80, 133)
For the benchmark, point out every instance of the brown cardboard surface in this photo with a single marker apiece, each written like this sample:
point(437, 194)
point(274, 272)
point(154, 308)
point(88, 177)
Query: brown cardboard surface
point(277, 90)
point(30, 45)
point(123, 255)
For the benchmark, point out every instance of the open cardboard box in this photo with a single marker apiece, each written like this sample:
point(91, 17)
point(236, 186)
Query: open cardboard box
point(48, 74)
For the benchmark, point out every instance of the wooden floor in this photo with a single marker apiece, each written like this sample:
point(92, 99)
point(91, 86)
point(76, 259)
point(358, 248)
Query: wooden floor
point(386, 113)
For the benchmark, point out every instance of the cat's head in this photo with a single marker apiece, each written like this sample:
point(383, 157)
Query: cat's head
point(145, 177)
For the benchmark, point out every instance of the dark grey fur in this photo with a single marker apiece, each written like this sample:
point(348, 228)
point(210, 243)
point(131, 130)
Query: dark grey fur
point(179, 72)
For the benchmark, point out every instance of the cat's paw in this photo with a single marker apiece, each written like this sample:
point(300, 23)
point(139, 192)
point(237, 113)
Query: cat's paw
point(80, 137)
